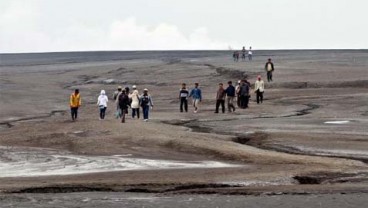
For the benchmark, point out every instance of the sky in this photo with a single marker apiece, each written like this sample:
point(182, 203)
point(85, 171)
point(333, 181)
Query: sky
point(94, 25)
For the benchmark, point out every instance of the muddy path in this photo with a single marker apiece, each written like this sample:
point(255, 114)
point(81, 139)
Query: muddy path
point(304, 139)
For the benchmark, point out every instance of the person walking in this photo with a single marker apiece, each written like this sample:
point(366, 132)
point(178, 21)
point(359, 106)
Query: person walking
point(146, 103)
point(134, 97)
point(102, 104)
point(237, 91)
point(250, 54)
point(127, 92)
point(230, 95)
point(196, 95)
point(244, 94)
point(116, 99)
point(123, 104)
point(75, 102)
point(220, 98)
point(259, 89)
point(183, 96)
point(269, 69)
point(243, 53)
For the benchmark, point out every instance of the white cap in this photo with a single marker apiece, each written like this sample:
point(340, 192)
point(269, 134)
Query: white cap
point(145, 89)
point(134, 87)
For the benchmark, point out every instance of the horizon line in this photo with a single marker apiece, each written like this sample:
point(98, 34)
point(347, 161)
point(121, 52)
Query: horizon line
point(178, 50)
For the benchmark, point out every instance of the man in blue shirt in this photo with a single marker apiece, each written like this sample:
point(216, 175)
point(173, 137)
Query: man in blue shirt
point(196, 95)
point(230, 93)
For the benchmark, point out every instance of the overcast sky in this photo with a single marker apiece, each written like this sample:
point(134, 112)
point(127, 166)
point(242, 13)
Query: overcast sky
point(82, 25)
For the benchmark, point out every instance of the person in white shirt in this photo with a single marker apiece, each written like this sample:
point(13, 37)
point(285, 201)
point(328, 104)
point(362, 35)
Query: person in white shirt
point(135, 102)
point(269, 67)
point(102, 104)
point(259, 89)
point(250, 53)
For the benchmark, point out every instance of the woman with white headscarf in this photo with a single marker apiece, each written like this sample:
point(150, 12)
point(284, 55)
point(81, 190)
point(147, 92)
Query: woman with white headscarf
point(102, 104)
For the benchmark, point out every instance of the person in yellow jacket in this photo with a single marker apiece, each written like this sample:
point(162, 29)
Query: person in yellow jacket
point(75, 102)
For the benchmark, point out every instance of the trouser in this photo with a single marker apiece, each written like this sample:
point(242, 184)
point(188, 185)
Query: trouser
point(244, 101)
point(118, 112)
point(123, 113)
point(250, 57)
point(269, 76)
point(135, 111)
point(102, 112)
point(259, 96)
point(243, 56)
point(74, 112)
point(222, 103)
point(230, 103)
point(183, 102)
point(195, 104)
point(238, 100)
point(145, 109)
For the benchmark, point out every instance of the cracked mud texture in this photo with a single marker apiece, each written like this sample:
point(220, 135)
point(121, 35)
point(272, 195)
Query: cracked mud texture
point(284, 146)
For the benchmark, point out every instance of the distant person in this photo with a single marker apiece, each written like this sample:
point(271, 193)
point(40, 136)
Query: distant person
point(237, 91)
point(123, 104)
point(220, 98)
point(259, 89)
point(196, 95)
point(183, 96)
point(75, 103)
point(116, 99)
point(135, 99)
point(237, 56)
point(230, 95)
point(102, 104)
point(250, 54)
point(146, 103)
point(269, 68)
point(243, 53)
point(234, 56)
point(244, 94)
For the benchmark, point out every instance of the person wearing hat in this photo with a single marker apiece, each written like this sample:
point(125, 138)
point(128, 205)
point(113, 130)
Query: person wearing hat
point(134, 97)
point(75, 102)
point(259, 89)
point(116, 98)
point(146, 103)
point(123, 104)
point(269, 69)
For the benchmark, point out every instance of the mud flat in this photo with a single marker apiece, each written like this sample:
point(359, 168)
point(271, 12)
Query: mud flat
point(308, 137)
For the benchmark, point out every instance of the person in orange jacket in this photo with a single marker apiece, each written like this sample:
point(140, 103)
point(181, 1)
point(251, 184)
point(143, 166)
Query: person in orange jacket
point(75, 102)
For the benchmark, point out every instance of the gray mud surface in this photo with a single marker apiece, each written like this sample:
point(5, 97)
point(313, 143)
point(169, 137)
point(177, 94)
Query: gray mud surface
point(305, 146)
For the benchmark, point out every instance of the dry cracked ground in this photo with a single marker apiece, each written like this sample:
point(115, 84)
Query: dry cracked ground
point(307, 139)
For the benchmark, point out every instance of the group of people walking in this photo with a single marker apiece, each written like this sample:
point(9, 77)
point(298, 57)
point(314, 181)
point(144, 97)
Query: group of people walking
point(244, 54)
point(240, 93)
point(124, 99)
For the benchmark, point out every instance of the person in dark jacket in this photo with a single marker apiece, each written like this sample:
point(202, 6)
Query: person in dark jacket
point(123, 104)
point(146, 103)
point(230, 93)
point(244, 94)
point(220, 98)
point(269, 67)
point(183, 96)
